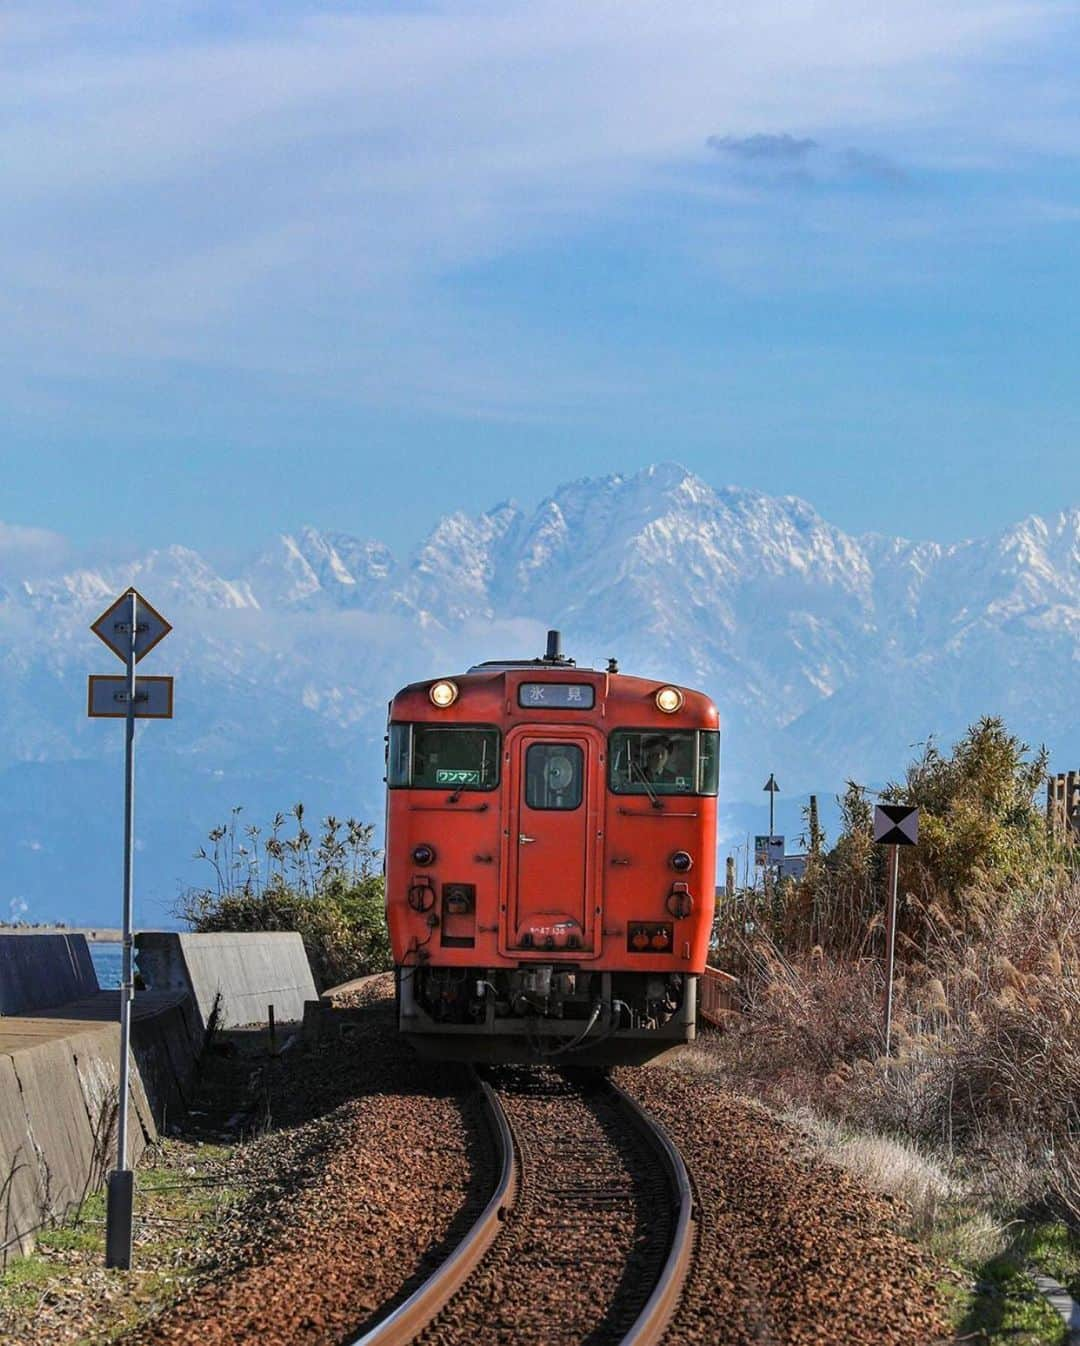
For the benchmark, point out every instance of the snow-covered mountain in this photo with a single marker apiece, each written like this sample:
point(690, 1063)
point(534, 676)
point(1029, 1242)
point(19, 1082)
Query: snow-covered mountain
point(829, 655)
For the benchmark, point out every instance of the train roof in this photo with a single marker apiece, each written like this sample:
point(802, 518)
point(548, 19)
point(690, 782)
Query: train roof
point(507, 665)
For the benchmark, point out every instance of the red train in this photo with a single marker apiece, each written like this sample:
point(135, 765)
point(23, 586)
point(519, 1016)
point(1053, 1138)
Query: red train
point(551, 861)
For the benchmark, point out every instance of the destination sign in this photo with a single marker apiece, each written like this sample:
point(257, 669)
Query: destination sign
point(448, 776)
point(557, 695)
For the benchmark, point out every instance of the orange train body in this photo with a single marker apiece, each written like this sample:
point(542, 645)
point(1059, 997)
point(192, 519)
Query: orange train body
point(551, 862)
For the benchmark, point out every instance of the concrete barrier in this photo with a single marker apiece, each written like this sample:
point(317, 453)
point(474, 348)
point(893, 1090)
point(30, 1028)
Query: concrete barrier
point(39, 971)
point(59, 1081)
point(241, 973)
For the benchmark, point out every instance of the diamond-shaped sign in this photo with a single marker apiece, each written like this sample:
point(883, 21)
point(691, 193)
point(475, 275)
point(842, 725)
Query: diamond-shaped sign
point(896, 825)
point(112, 626)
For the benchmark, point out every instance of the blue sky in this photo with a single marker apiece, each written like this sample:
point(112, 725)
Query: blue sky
point(356, 264)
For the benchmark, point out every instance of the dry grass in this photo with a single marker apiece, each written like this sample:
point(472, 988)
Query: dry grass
point(986, 1034)
point(977, 1114)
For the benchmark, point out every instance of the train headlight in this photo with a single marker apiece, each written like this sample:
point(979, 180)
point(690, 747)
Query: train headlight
point(680, 861)
point(424, 855)
point(669, 699)
point(443, 694)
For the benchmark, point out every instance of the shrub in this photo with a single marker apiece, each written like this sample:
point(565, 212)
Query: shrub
point(982, 839)
point(330, 891)
point(983, 850)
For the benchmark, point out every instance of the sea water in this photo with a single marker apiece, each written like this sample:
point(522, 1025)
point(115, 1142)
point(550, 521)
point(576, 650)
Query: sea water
point(108, 964)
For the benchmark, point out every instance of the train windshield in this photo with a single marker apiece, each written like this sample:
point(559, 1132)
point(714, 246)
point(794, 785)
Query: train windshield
point(429, 757)
point(674, 762)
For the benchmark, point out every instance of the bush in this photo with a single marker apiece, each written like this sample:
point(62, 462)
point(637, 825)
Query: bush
point(983, 850)
point(330, 892)
point(983, 841)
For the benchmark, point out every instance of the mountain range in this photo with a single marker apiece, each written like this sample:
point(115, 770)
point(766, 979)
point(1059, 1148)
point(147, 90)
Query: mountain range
point(829, 655)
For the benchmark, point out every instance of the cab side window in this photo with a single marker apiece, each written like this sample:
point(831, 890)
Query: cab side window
point(653, 762)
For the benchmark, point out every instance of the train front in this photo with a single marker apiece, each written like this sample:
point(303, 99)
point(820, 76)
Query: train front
point(551, 857)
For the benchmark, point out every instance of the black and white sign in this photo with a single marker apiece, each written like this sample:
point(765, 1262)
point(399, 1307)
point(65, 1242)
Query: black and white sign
point(896, 825)
point(107, 697)
point(112, 627)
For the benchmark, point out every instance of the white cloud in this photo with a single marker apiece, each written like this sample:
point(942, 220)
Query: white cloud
point(29, 551)
point(293, 195)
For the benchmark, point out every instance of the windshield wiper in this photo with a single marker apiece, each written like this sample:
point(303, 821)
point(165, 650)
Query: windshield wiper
point(647, 784)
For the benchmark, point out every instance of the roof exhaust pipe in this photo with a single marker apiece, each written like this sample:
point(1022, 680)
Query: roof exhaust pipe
point(554, 653)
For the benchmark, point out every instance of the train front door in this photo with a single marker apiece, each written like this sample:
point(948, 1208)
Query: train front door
point(555, 803)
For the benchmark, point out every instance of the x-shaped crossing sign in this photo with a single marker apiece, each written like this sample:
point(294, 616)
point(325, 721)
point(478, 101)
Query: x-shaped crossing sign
point(896, 825)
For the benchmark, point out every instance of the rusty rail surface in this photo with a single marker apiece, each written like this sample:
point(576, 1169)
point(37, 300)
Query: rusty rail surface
point(655, 1318)
point(411, 1316)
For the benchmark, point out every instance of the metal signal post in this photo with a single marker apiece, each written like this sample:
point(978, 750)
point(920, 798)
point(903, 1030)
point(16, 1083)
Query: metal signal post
point(121, 1197)
point(130, 628)
point(895, 825)
point(890, 942)
point(772, 788)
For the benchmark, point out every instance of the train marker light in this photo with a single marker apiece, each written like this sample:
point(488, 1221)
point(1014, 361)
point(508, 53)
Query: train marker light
point(443, 694)
point(649, 937)
point(424, 855)
point(669, 699)
point(682, 861)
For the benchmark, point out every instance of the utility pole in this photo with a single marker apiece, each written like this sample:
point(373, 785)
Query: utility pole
point(815, 827)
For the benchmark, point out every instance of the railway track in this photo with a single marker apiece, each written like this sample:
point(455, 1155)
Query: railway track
point(587, 1237)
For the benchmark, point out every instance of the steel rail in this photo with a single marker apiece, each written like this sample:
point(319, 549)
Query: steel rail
point(414, 1313)
point(655, 1318)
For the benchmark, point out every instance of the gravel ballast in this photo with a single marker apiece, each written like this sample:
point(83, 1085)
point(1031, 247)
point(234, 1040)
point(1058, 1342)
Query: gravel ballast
point(791, 1250)
point(367, 1198)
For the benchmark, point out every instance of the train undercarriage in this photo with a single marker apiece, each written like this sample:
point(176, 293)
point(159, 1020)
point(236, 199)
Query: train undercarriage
point(546, 1011)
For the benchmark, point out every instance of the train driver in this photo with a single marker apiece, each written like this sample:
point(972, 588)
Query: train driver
point(654, 767)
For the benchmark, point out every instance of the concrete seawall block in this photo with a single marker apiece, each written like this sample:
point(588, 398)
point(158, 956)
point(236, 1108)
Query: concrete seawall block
point(59, 1078)
point(40, 971)
point(22, 1196)
point(248, 971)
point(57, 1121)
point(165, 1046)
